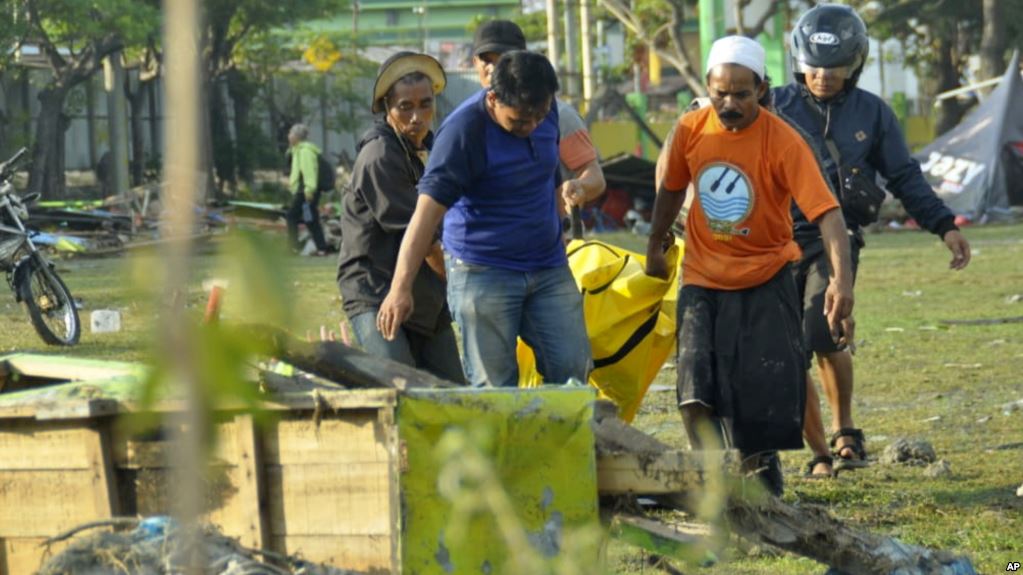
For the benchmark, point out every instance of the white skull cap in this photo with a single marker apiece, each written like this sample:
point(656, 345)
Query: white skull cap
point(737, 50)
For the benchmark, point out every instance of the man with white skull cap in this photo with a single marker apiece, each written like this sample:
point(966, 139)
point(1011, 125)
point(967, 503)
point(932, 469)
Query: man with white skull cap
point(741, 376)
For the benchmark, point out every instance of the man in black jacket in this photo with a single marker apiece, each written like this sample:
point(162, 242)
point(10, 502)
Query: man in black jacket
point(858, 137)
point(375, 214)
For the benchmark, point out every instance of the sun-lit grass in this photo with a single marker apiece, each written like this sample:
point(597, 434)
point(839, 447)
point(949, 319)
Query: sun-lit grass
point(916, 377)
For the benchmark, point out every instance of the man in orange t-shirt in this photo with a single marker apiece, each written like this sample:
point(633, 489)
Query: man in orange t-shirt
point(740, 356)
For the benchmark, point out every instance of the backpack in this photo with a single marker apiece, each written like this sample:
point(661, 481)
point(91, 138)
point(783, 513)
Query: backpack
point(326, 176)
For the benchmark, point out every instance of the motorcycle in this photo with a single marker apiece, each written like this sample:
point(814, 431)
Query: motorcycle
point(30, 275)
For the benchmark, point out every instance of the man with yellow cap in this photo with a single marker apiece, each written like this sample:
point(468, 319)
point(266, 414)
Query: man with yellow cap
point(376, 213)
point(741, 374)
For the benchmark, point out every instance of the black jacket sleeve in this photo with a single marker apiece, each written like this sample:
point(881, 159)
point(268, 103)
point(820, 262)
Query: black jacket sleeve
point(382, 179)
point(904, 179)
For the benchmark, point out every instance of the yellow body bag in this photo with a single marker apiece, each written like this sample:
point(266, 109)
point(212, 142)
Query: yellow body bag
point(630, 320)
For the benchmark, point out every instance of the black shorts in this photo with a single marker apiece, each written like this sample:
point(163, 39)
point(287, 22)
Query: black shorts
point(741, 354)
point(812, 276)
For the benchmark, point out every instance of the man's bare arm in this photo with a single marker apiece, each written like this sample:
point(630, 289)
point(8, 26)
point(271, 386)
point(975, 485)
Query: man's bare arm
point(418, 241)
point(588, 185)
point(838, 298)
point(666, 208)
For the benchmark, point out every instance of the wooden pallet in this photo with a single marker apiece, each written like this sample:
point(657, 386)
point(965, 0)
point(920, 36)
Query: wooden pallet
point(321, 480)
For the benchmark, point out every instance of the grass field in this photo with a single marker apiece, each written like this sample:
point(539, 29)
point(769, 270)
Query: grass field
point(915, 378)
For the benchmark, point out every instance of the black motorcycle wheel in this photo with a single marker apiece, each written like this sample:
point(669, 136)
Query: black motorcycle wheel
point(50, 307)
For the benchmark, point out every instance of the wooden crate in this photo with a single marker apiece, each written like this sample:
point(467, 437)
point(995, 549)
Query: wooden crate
point(321, 480)
point(332, 477)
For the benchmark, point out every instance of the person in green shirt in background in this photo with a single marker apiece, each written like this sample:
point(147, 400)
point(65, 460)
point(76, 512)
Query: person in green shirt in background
point(304, 190)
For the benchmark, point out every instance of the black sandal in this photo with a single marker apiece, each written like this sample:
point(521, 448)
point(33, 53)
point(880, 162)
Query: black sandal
point(826, 459)
point(856, 446)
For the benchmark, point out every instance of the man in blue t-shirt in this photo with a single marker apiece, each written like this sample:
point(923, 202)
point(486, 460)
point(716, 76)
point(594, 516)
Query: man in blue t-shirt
point(491, 177)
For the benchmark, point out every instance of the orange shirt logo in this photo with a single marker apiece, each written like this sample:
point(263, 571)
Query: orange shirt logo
point(727, 198)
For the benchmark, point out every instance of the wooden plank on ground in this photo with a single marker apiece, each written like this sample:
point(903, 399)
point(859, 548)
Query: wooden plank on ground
point(27, 444)
point(249, 472)
point(41, 503)
point(348, 499)
point(652, 474)
point(683, 541)
point(362, 553)
point(68, 369)
point(354, 437)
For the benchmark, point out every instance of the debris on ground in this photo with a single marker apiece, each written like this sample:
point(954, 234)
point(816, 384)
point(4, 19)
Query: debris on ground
point(111, 225)
point(761, 519)
point(1012, 406)
point(909, 452)
point(157, 546)
point(105, 321)
point(938, 469)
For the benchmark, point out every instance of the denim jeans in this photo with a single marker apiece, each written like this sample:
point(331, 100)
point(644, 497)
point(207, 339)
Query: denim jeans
point(493, 306)
point(437, 353)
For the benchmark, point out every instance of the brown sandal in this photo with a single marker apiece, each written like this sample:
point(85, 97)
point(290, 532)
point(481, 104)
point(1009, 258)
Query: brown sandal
point(844, 461)
point(825, 459)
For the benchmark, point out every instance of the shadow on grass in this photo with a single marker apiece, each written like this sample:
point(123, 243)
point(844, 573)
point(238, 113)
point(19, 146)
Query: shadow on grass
point(1001, 497)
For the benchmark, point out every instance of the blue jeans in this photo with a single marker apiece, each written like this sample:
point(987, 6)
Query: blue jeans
point(437, 354)
point(493, 306)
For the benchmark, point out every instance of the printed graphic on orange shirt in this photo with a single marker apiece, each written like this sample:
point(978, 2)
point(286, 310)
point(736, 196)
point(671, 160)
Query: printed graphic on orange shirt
point(726, 197)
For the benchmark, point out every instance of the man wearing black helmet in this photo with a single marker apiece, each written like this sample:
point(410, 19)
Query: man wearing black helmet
point(858, 138)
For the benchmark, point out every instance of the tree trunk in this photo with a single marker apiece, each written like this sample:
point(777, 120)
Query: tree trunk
point(992, 43)
point(949, 110)
point(47, 173)
point(5, 117)
point(211, 192)
point(242, 91)
point(223, 144)
point(24, 89)
point(136, 103)
point(154, 121)
point(273, 115)
point(90, 122)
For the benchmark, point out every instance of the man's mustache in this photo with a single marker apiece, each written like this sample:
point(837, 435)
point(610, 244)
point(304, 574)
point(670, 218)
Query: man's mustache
point(730, 115)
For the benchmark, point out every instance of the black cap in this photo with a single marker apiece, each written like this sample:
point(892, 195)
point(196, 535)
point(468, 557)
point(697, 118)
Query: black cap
point(498, 36)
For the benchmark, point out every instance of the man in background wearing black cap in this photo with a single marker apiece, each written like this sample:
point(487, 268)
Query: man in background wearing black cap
point(581, 175)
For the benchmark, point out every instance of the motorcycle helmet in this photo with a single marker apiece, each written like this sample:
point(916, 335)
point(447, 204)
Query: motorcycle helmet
point(829, 36)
